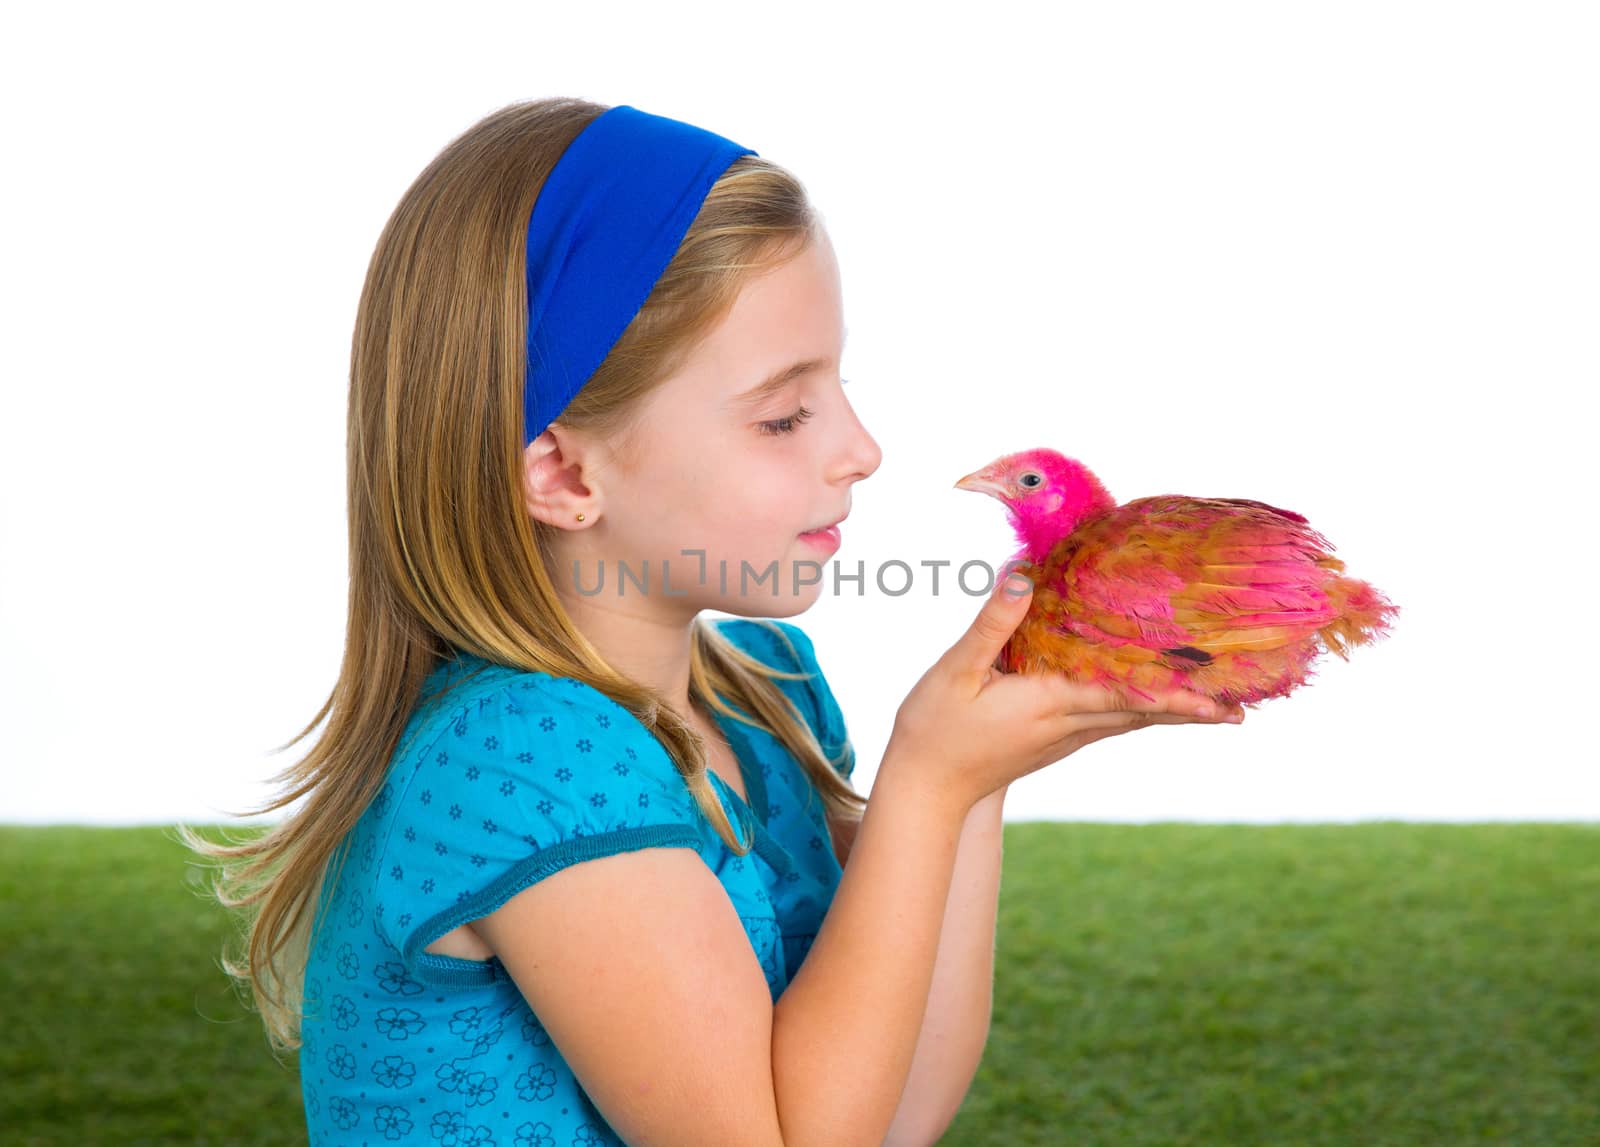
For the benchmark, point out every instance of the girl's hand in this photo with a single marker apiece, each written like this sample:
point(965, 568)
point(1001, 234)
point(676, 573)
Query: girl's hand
point(977, 729)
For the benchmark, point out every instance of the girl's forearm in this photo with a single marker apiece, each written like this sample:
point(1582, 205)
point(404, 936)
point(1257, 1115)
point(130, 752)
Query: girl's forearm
point(960, 1002)
point(845, 1030)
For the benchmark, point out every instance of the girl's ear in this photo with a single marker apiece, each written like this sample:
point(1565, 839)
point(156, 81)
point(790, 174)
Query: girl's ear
point(558, 486)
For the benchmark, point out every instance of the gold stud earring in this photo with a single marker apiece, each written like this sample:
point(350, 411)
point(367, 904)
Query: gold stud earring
point(580, 517)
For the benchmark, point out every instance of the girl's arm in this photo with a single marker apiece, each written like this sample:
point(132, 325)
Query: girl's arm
point(640, 969)
point(845, 1030)
point(956, 1026)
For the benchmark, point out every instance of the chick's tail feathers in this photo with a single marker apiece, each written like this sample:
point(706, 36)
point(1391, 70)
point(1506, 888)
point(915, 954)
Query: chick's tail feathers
point(1362, 615)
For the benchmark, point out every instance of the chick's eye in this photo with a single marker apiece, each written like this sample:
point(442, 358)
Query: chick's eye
point(1030, 479)
point(786, 425)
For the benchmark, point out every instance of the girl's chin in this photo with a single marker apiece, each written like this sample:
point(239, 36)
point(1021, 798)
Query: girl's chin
point(798, 576)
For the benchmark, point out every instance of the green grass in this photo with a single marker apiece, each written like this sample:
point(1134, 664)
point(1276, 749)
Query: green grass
point(1374, 984)
point(1377, 984)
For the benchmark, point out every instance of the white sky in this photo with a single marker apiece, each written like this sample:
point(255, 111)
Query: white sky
point(1339, 258)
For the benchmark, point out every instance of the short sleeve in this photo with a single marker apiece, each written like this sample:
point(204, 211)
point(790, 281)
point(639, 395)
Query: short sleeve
point(520, 781)
point(813, 695)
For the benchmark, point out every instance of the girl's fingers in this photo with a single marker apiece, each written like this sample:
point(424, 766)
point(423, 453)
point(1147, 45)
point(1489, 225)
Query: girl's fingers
point(1076, 729)
point(978, 650)
point(1063, 694)
point(1083, 722)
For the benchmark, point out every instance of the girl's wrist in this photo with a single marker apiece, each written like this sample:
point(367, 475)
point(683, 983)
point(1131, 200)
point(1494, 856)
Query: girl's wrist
point(910, 779)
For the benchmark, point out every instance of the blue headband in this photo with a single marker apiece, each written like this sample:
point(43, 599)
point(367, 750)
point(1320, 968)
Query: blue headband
point(605, 225)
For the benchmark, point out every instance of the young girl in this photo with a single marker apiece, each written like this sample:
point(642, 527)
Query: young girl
point(572, 864)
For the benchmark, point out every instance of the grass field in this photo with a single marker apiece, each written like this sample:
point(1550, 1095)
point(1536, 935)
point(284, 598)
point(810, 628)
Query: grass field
point(1376, 984)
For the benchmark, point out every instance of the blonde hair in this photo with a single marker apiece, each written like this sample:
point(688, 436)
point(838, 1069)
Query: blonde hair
point(442, 551)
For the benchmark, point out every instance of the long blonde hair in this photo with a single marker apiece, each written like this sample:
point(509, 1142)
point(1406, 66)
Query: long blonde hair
point(442, 552)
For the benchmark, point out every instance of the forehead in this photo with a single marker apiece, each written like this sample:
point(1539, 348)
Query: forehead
point(789, 314)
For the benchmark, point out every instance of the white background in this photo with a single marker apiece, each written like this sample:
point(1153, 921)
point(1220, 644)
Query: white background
point(1340, 258)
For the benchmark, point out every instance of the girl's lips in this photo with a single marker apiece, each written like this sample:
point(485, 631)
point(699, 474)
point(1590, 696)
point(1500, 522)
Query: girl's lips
point(827, 539)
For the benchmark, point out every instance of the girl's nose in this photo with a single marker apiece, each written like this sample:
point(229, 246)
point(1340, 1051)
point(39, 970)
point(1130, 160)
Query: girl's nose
point(861, 454)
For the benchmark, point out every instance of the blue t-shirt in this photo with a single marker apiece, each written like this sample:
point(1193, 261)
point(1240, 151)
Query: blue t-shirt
point(507, 777)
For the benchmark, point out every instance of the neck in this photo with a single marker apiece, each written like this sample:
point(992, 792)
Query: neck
point(641, 635)
point(1044, 526)
point(1037, 537)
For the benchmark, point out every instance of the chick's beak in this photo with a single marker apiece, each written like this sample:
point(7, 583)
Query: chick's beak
point(980, 481)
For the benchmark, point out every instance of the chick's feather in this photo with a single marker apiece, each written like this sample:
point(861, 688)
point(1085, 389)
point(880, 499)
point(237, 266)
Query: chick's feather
point(1229, 597)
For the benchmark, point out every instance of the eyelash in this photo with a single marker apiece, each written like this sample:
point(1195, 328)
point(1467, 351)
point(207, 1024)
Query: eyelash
point(790, 424)
point(786, 425)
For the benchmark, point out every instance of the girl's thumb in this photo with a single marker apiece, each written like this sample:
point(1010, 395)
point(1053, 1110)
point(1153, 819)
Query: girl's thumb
point(1002, 612)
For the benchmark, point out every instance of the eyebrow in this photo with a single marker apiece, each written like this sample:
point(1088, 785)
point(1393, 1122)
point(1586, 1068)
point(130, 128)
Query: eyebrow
point(781, 378)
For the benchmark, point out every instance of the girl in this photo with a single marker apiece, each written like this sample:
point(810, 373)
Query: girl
point(574, 865)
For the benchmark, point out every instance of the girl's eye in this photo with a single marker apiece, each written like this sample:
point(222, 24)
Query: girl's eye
point(786, 425)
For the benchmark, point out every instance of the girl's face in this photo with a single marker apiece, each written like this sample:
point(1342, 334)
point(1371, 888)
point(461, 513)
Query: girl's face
point(751, 445)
